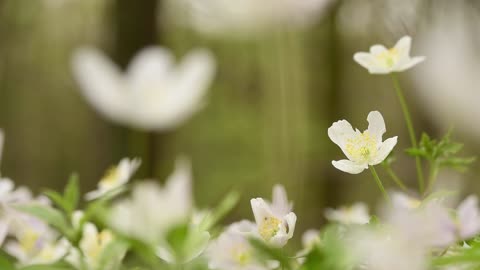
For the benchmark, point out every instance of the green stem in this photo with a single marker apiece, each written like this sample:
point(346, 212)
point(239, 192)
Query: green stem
point(411, 131)
point(432, 176)
point(395, 178)
point(380, 185)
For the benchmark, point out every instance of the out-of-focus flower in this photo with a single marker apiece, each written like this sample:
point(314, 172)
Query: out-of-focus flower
point(93, 243)
point(381, 60)
point(449, 80)
point(115, 177)
point(355, 214)
point(232, 250)
point(466, 223)
point(361, 149)
point(153, 94)
point(376, 249)
point(35, 243)
point(275, 221)
point(402, 200)
point(246, 16)
point(139, 216)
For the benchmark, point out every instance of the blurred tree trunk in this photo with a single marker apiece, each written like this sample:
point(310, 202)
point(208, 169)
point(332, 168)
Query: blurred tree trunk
point(135, 25)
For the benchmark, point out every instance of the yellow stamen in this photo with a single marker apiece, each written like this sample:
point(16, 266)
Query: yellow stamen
point(362, 147)
point(388, 58)
point(269, 227)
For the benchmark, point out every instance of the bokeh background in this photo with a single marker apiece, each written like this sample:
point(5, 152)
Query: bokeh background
point(274, 96)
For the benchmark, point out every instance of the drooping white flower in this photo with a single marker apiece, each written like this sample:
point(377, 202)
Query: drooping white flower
point(355, 214)
point(381, 60)
point(246, 16)
point(361, 149)
point(232, 249)
point(275, 220)
point(152, 94)
point(115, 177)
point(35, 243)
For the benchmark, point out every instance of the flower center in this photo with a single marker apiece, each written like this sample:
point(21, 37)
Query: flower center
point(388, 58)
point(30, 241)
point(110, 178)
point(269, 227)
point(362, 147)
point(241, 254)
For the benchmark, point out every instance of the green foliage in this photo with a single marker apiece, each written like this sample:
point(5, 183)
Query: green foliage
point(68, 201)
point(268, 253)
point(112, 254)
point(50, 215)
point(227, 204)
point(329, 254)
point(442, 153)
point(187, 241)
point(459, 256)
point(5, 262)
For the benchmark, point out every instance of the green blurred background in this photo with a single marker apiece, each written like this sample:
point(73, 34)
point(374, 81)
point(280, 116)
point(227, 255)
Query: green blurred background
point(268, 110)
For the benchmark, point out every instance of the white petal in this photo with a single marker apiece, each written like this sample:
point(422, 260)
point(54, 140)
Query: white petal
point(385, 148)
point(150, 67)
point(364, 59)
point(410, 63)
point(348, 166)
point(94, 194)
point(260, 210)
point(469, 217)
point(291, 220)
point(376, 125)
point(243, 227)
point(377, 49)
point(101, 83)
point(340, 132)
point(179, 186)
point(280, 204)
point(403, 46)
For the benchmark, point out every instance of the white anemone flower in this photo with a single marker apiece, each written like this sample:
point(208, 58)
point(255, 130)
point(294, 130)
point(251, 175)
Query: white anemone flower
point(361, 149)
point(216, 17)
point(381, 60)
point(354, 214)
point(35, 243)
point(275, 220)
point(466, 223)
point(232, 250)
point(152, 94)
point(93, 243)
point(115, 177)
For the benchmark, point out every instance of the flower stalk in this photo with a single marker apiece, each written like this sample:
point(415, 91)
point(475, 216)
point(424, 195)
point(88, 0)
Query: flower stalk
point(380, 185)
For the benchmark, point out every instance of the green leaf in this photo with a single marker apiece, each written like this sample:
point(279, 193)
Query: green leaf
point(48, 214)
point(5, 263)
point(57, 199)
point(227, 204)
point(112, 255)
point(72, 193)
point(270, 253)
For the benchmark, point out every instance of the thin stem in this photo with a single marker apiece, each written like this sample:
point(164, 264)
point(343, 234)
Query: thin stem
point(432, 176)
point(395, 178)
point(411, 131)
point(380, 185)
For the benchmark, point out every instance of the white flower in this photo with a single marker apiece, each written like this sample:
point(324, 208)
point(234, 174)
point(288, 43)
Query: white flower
point(381, 250)
point(466, 223)
point(232, 250)
point(115, 178)
point(35, 243)
point(381, 60)
point(92, 244)
point(153, 94)
point(402, 200)
point(355, 214)
point(246, 16)
point(275, 221)
point(361, 149)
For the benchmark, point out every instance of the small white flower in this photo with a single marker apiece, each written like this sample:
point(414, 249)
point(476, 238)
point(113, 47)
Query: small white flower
point(466, 222)
point(402, 200)
point(275, 221)
point(153, 94)
point(93, 243)
point(361, 149)
point(355, 214)
point(115, 178)
point(232, 249)
point(35, 243)
point(381, 60)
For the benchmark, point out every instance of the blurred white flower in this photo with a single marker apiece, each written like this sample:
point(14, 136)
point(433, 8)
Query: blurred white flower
point(92, 244)
point(466, 223)
point(152, 94)
point(354, 214)
point(246, 16)
point(275, 221)
point(381, 60)
point(361, 149)
point(449, 80)
point(232, 250)
point(376, 249)
point(35, 243)
point(402, 200)
point(116, 177)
